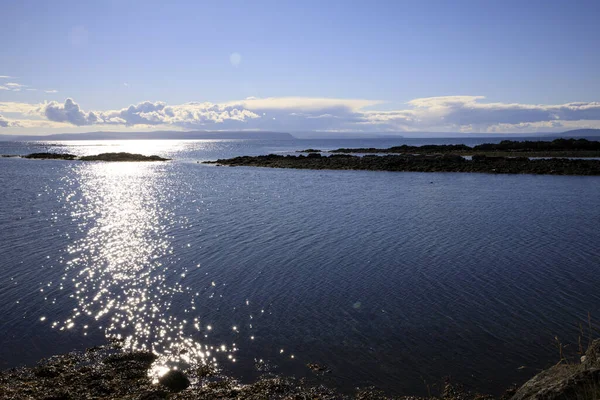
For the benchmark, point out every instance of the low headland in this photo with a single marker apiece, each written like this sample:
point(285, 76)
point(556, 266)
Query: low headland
point(107, 373)
point(507, 157)
point(99, 157)
point(421, 163)
point(582, 148)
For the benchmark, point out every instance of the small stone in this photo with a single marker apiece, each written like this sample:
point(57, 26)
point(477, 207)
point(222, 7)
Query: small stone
point(175, 381)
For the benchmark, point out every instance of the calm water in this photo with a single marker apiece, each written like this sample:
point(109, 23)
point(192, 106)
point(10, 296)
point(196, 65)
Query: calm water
point(390, 279)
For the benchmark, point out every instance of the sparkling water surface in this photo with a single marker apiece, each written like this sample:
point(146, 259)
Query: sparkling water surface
point(390, 279)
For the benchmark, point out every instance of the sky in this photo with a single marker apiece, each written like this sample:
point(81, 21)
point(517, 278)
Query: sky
point(469, 66)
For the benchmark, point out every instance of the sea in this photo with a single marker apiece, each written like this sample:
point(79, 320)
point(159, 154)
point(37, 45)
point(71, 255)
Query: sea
point(397, 280)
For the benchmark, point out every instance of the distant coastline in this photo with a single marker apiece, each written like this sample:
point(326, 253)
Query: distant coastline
point(269, 135)
point(154, 135)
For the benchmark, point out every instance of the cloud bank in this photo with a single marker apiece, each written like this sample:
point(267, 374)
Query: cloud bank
point(296, 114)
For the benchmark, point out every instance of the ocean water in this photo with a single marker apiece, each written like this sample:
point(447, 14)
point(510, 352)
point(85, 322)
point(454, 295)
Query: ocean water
point(396, 280)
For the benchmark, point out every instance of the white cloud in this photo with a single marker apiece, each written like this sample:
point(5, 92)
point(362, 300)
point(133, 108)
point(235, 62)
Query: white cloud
point(51, 91)
point(68, 112)
point(20, 108)
point(5, 77)
point(12, 86)
point(304, 103)
point(443, 114)
point(4, 123)
point(470, 110)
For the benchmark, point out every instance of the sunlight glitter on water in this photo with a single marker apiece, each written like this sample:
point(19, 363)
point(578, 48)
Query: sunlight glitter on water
point(120, 268)
point(165, 148)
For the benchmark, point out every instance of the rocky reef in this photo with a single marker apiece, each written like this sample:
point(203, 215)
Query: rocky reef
point(99, 157)
point(506, 148)
point(51, 156)
point(422, 163)
point(122, 157)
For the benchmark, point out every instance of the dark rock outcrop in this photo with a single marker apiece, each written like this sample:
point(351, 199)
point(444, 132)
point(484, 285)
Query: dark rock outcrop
point(555, 148)
point(99, 157)
point(122, 157)
point(566, 381)
point(175, 381)
point(51, 156)
point(423, 163)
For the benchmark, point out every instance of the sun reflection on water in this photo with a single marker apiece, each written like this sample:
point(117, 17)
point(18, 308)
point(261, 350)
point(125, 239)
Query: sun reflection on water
point(121, 271)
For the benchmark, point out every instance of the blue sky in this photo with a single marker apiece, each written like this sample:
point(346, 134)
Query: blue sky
point(472, 66)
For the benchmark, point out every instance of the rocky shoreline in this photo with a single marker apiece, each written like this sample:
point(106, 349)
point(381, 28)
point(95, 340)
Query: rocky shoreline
point(421, 163)
point(507, 148)
point(104, 372)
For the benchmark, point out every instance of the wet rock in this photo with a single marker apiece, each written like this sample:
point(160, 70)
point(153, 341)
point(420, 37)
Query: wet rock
point(144, 357)
point(318, 368)
point(175, 381)
point(58, 396)
point(154, 395)
point(46, 371)
point(94, 349)
point(205, 370)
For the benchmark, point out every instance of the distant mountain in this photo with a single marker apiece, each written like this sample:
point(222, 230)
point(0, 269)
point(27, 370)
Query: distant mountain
point(345, 135)
point(580, 133)
point(154, 135)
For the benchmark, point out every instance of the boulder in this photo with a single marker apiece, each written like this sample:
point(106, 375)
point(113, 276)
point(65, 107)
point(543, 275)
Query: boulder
point(175, 380)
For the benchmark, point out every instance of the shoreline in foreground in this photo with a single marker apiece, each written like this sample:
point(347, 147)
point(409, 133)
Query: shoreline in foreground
point(108, 373)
